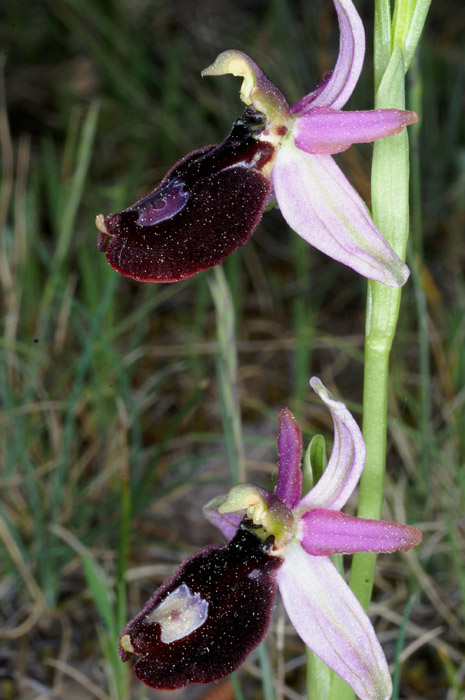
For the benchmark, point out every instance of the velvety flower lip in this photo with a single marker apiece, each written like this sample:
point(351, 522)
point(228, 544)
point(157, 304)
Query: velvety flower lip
point(211, 202)
point(203, 622)
point(320, 604)
point(206, 207)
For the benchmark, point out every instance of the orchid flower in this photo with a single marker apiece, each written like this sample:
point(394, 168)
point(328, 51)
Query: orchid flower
point(210, 203)
point(204, 621)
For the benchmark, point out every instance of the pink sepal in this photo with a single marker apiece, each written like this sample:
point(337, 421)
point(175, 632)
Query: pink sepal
point(320, 204)
point(335, 90)
point(332, 623)
point(289, 487)
point(324, 532)
point(323, 131)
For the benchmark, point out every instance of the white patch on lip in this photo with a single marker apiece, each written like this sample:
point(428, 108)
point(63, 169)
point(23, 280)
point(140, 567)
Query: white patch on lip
point(180, 614)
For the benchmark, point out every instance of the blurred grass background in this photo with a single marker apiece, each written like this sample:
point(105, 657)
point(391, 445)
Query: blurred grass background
point(111, 428)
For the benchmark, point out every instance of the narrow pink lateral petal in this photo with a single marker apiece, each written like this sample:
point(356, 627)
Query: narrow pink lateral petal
point(336, 91)
point(227, 523)
point(324, 131)
point(325, 532)
point(332, 623)
point(346, 462)
point(289, 487)
point(320, 204)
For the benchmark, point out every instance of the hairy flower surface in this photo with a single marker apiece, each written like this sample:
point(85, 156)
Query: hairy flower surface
point(206, 619)
point(210, 203)
point(216, 608)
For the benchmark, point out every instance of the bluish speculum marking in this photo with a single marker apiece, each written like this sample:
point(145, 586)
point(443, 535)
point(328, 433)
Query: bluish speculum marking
point(161, 204)
point(206, 207)
point(180, 614)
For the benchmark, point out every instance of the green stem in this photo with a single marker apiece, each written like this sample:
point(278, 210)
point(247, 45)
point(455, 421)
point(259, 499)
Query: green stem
point(390, 190)
point(383, 315)
point(394, 46)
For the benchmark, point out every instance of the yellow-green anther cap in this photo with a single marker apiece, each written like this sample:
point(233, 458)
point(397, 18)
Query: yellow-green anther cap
point(263, 508)
point(256, 89)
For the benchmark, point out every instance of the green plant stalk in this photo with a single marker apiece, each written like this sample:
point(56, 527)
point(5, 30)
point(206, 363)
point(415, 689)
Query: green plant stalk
point(382, 314)
point(319, 677)
point(390, 202)
point(390, 205)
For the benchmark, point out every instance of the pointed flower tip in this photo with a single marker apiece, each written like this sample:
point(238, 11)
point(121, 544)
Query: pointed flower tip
point(412, 538)
point(231, 61)
point(256, 89)
point(238, 64)
point(320, 389)
point(394, 274)
point(317, 385)
point(411, 117)
point(386, 122)
point(286, 416)
point(227, 523)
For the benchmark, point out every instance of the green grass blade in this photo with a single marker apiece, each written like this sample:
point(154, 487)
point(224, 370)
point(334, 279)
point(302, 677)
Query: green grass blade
point(399, 647)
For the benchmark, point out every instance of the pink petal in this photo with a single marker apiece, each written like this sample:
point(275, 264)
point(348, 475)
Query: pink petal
point(320, 204)
point(289, 487)
point(324, 131)
point(336, 91)
point(325, 532)
point(332, 623)
point(346, 462)
point(227, 523)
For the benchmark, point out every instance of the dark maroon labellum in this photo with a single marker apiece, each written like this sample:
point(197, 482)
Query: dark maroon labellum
point(207, 618)
point(206, 207)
